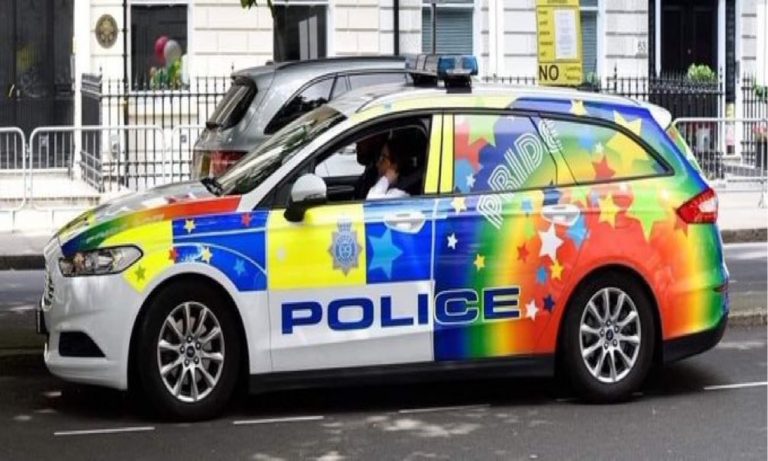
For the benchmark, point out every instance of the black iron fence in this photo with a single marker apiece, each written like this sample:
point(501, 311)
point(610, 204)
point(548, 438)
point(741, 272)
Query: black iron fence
point(682, 96)
point(136, 154)
point(754, 139)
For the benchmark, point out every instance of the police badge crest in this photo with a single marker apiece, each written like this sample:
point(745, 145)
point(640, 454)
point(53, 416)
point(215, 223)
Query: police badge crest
point(345, 249)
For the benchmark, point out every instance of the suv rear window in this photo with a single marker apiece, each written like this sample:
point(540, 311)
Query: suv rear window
point(233, 106)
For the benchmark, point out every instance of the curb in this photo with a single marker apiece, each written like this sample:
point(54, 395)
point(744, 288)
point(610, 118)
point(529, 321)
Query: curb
point(744, 235)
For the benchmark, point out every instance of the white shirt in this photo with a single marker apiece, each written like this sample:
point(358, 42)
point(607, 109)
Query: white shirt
point(382, 190)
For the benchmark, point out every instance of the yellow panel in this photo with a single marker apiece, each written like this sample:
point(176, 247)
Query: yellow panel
point(156, 241)
point(446, 166)
point(435, 151)
point(300, 255)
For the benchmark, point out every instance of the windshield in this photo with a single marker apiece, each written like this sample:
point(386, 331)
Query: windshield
point(260, 163)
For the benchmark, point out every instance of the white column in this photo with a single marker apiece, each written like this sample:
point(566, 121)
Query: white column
point(762, 42)
point(81, 48)
point(493, 65)
point(721, 51)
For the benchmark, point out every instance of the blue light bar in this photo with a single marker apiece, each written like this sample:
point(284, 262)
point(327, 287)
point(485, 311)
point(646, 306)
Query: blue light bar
point(454, 70)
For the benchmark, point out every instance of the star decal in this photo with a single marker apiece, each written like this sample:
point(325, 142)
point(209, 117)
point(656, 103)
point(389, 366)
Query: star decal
point(459, 204)
point(522, 253)
point(549, 304)
point(470, 181)
point(541, 275)
point(384, 253)
point(239, 267)
point(140, 273)
point(602, 170)
point(550, 242)
point(452, 241)
point(173, 254)
point(579, 194)
point(578, 232)
point(634, 126)
point(189, 225)
point(556, 270)
point(482, 127)
point(466, 150)
point(531, 310)
point(551, 195)
point(646, 209)
point(577, 107)
point(206, 255)
point(479, 262)
point(245, 219)
point(608, 210)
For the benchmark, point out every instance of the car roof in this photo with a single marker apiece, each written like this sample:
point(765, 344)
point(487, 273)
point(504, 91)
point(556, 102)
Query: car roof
point(312, 68)
point(401, 97)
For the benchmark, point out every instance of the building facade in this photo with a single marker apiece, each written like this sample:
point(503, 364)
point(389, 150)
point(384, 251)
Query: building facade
point(51, 43)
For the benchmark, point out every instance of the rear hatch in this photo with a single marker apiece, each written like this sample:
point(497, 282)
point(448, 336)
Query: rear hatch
point(209, 158)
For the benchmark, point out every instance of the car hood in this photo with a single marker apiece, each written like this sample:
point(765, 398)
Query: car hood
point(168, 202)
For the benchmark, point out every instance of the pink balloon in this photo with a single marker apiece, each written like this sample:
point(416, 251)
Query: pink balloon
point(160, 48)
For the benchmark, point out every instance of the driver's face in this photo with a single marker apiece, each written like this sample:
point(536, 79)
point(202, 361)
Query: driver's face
point(384, 161)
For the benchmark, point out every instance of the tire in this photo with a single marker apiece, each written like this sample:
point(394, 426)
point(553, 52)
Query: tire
point(583, 347)
point(173, 395)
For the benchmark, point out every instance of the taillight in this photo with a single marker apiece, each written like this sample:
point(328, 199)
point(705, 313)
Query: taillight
point(701, 209)
point(221, 161)
point(207, 163)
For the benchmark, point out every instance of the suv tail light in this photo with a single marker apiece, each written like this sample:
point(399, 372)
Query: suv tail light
point(207, 163)
point(701, 209)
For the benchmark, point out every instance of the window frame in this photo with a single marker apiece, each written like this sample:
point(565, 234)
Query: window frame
point(190, 39)
point(329, 24)
point(594, 121)
point(387, 121)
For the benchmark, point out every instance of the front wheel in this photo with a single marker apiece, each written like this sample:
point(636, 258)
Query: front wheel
point(188, 352)
point(609, 338)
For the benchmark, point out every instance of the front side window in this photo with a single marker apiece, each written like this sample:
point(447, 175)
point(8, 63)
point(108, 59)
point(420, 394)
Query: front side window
point(499, 153)
point(312, 97)
point(600, 153)
point(300, 31)
point(260, 163)
point(158, 45)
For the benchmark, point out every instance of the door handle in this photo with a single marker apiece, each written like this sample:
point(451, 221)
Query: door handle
point(565, 215)
point(11, 89)
point(409, 222)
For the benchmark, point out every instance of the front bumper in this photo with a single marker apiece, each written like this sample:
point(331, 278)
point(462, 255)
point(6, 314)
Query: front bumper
point(103, 308)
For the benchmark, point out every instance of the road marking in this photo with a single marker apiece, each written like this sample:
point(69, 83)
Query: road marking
point(22, 309)
point(435, 409)
point(741, 345)
point(735, 386)
point(291, 419)
point(113, 430)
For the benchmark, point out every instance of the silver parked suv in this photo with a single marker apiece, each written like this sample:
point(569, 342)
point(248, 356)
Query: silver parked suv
point(263, 99)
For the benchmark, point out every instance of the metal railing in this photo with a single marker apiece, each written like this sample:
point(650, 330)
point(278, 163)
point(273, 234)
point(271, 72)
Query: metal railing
point(732, 152)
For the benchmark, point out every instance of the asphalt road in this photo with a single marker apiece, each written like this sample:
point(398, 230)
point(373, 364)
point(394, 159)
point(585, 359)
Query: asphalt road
point(683, 412)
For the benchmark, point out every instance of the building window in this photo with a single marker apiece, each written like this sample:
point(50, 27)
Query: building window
point(300, 31)
point(589, 11)
point(453, 19)
point(158, 45)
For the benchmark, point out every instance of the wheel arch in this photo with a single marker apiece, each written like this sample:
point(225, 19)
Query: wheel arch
point(625, 271)
point(195, 278)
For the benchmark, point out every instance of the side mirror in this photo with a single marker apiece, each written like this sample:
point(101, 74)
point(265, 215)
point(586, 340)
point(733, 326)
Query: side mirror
point(308, 191)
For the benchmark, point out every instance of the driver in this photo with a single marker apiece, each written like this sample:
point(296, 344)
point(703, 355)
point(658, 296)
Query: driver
point(368, 151)
point(391, 160)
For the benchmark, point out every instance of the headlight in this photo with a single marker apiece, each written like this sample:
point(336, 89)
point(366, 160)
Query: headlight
point(99, 262)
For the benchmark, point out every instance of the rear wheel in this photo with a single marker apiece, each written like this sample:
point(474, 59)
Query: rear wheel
point(188, 352)
point(609, 338)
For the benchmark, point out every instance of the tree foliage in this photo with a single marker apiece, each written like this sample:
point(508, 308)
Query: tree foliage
point(251, 3)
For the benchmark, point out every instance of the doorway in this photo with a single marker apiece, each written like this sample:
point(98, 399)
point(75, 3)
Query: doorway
point(688, 34)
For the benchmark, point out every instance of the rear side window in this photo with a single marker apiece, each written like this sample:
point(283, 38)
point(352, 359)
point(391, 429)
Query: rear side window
point(312, 97)
point(498, 153)
point(233, 106)
point(599, 153)
point(363, 80)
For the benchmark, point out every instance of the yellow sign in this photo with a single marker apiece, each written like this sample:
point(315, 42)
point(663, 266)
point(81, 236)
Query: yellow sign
point(559, 41)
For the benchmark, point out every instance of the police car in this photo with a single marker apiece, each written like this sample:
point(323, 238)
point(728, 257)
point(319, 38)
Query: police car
point(534, 228)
